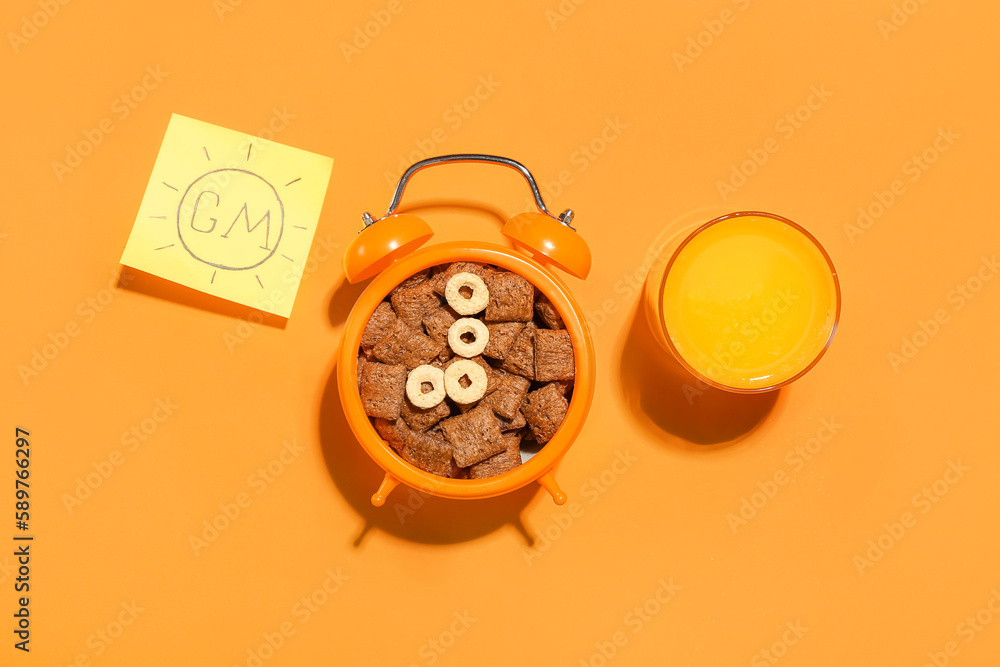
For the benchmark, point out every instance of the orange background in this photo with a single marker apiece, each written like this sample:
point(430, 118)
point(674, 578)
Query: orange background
point(544, 585)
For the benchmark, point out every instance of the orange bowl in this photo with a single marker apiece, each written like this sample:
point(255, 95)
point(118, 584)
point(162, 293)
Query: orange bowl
point(536, 469)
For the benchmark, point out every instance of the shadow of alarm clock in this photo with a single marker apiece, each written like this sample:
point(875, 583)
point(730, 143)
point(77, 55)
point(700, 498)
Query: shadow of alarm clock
point(389, 250)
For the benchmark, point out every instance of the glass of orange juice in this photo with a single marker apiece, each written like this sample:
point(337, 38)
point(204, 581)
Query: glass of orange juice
point(747, 302)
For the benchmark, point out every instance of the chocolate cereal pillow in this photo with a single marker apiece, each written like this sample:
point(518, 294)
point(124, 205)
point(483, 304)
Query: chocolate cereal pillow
point(465, 369)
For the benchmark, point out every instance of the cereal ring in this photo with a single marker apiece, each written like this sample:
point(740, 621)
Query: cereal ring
point(466, 305)
point(468, 326)
point(477, 378)
point(414, 386)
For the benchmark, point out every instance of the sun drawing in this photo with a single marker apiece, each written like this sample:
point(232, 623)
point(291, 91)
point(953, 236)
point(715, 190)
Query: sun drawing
point(230, 219)
point(229, 214)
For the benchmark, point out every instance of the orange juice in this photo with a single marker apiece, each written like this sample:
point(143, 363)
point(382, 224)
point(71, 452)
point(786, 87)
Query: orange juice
point(748, 302)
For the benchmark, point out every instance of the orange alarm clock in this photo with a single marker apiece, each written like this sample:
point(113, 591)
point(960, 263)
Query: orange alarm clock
point(388, 250)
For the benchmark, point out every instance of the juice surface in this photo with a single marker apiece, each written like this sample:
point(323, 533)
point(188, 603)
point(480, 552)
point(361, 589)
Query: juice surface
point(749, 302)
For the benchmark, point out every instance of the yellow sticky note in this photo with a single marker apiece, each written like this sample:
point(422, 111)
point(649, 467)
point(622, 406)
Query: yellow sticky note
point(229, 214)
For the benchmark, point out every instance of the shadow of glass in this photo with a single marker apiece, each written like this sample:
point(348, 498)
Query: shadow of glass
point(161, 288)
point(408, 514)
point(670, 402)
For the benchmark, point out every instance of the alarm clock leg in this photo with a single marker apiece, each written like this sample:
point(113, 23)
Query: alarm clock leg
point(548, 482)
point(388, 484)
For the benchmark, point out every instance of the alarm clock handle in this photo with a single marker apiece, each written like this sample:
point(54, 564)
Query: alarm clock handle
point(566, 217)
